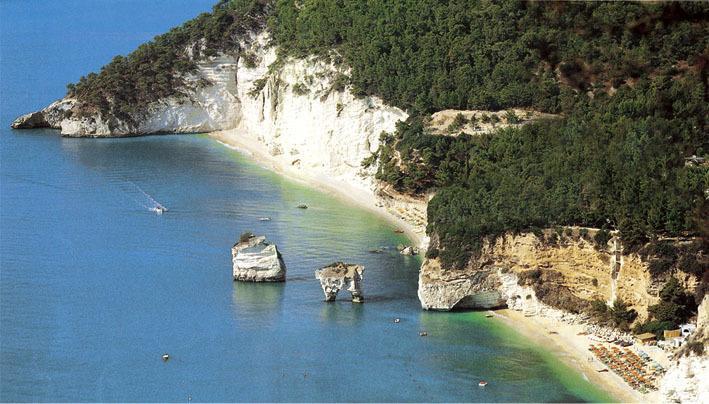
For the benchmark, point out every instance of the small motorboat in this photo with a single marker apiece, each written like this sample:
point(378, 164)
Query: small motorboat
point(165, 357)
point(264, 219)
point(397, 320)
point(159, 209)
point(302, 206)
point(482, 383)
point(423, 334)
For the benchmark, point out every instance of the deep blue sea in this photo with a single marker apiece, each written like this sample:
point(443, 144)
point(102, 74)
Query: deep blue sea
point(94, 287)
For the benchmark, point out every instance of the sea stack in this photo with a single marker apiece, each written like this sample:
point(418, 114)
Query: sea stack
point(336, 276)
point(254, 259)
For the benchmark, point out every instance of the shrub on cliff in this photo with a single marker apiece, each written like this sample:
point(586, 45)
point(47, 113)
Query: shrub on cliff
point(458, 123)
point(622, 315)
point(601, 239)
point(618, 315)
point(676, 304)
point(246, 236)
point(654, 326)
point(675, 308)
point(598, 310)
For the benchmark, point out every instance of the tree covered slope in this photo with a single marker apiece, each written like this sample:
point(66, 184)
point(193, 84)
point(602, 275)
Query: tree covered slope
point(629, 80)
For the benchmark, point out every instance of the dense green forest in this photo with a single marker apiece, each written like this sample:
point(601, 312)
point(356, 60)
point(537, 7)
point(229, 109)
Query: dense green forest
point(428, 55)
point(628, 80)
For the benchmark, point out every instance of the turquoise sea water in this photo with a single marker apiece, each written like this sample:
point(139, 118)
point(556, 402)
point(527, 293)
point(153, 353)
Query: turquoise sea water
point(94, 287)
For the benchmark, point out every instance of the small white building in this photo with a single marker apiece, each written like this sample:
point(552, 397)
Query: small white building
point(687, 329)
point(677, 342)
point(671, 343)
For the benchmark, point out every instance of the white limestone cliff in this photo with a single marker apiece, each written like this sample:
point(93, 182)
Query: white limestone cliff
point(306, 122)
point(208, 108)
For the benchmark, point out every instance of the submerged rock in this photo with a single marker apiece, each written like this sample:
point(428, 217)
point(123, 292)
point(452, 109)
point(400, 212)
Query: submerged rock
point(335, 276)
point(254, 259)
point(409, 250)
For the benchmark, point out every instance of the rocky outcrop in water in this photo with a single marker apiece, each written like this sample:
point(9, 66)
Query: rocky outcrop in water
point(408, 250)
point(30, 121)
point(49, 117)
point(336, 276)
point(254, 259)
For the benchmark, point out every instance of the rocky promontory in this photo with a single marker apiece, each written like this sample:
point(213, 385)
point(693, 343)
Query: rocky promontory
point(446, 289)
point(49, 117)
point(254, 259)
point(336, 276)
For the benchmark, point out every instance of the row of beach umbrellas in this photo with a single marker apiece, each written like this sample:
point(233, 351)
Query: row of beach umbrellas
point(637, 371)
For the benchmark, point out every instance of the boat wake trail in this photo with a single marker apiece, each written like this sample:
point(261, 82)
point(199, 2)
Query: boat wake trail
point(145, 200)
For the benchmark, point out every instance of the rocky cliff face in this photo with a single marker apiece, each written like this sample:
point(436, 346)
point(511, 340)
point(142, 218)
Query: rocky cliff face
point(305, 120)
point(574, 271)
point(441, 289)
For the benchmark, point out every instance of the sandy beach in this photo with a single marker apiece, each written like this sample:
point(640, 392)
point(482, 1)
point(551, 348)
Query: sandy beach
point(250, 146)
point(572, 349)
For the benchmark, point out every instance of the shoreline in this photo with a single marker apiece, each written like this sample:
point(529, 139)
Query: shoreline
point(566, 346)
point(342, 190)
point(572, 349)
